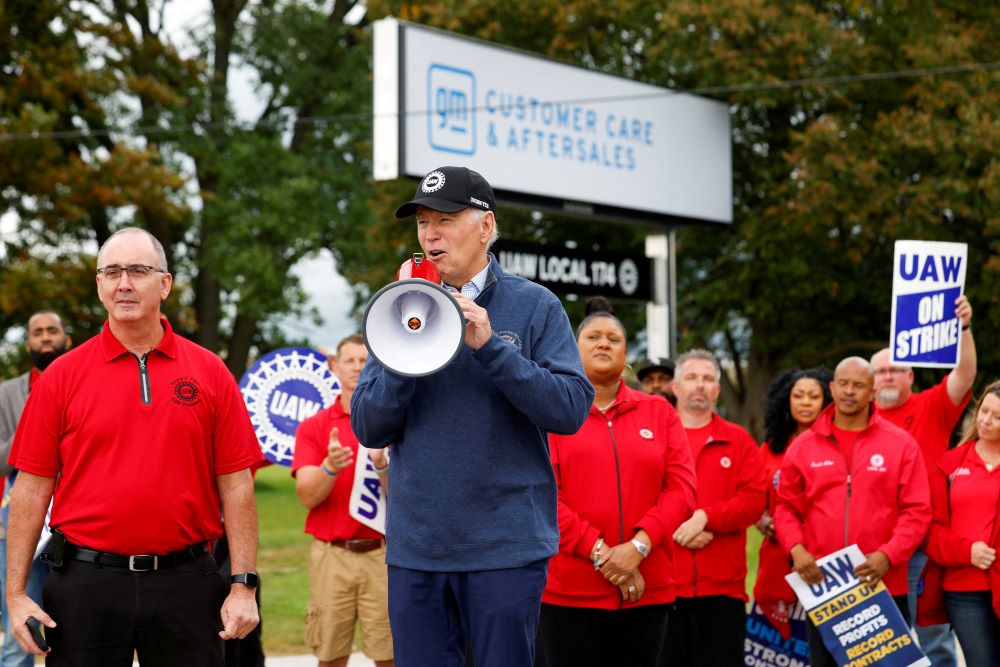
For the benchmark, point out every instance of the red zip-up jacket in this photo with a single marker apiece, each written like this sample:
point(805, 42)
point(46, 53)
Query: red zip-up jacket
point(881, 504)
point(731, 491)
point(625, 470)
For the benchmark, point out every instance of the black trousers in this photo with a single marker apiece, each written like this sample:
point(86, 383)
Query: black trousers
point(820, 657)
point(706, 632)
point(575, 636)
point(170, 617)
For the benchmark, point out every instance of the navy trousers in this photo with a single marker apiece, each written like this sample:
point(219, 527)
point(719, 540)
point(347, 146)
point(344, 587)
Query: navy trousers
point(433, 613)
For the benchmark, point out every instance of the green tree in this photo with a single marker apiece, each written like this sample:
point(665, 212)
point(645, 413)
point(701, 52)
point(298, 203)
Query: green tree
point(236, 203)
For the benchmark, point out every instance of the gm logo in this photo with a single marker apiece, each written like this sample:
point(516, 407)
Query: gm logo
point(452, 120)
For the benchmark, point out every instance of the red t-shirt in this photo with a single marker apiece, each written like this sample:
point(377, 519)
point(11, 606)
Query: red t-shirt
point(330, 520)
point(929, 416)
point(137, 470)
point(697, 437)
point(973, 495)
point(846, 439)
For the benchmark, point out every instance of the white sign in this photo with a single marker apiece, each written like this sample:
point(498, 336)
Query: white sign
point(927, 278)
point(368, 502)
point(535, 127)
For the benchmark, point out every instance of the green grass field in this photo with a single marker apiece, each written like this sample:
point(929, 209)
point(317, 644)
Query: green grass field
point(283, 561)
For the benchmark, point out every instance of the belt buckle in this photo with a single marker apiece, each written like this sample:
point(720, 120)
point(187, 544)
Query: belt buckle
point(149, 563)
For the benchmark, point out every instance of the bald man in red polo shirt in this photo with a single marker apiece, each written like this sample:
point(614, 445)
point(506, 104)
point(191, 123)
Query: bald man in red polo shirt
point(150, 441)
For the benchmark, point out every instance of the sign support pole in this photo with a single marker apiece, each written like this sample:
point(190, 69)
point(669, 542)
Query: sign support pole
point(661, 329)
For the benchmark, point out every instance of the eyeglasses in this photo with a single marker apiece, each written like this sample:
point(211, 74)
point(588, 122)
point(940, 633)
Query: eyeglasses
point(134, 271)
point(895, 370)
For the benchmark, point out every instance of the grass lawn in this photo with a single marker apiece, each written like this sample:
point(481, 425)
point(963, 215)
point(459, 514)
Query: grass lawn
point(283, 561)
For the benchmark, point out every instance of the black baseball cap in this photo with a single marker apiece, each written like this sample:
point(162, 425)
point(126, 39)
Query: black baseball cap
point(450, 190)
point(655, 364)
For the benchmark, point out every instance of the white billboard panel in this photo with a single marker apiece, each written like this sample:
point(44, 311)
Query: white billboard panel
point(539, 128)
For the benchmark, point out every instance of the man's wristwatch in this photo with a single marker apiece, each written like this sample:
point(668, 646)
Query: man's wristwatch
point(641, 548)
point(248, 579)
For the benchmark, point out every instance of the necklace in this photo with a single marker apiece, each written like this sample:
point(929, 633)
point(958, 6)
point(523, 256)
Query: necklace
point(989, 460)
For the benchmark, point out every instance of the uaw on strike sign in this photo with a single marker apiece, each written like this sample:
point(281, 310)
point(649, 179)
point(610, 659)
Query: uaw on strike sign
point(859, 622)
point(927, 278)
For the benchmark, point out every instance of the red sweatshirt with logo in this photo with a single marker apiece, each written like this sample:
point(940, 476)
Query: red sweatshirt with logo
point(882, 503)
point(732, 492)
point(625, 470)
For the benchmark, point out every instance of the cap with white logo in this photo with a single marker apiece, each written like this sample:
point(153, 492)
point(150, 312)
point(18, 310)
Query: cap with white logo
point(449, 190)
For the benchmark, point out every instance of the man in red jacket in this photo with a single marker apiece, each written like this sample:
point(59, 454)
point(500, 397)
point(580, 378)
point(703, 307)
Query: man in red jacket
point(707, 626)
point(853, 478)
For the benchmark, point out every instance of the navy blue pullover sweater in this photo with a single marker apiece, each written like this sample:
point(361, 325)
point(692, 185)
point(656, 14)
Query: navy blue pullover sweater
point(471, 485)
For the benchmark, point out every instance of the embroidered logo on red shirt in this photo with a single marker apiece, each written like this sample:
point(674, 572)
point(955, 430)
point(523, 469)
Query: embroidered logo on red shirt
point(186, 391)
point(958, 472)
point(646, 434)
point(726, 462)
point(876, 463)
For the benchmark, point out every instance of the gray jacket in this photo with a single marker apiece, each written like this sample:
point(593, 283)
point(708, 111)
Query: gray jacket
point(13, 396)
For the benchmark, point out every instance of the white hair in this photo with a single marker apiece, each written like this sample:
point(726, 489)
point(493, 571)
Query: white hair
point(161, 256)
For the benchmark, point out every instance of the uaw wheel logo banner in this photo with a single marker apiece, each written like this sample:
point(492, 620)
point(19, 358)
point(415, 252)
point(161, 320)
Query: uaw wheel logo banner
point(284, 388)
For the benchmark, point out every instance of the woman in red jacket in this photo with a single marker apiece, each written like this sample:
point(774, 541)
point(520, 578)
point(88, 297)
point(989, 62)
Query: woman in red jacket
point(626, 481)
point(795, 399)
point(965, 532)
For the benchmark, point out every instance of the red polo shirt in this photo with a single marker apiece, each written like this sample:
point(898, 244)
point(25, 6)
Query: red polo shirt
point(929, 416)
point(136, 468)
point(330, 520)
point(968, 505)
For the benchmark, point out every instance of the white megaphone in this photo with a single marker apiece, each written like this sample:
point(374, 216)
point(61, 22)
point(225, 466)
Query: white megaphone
point(414, 326)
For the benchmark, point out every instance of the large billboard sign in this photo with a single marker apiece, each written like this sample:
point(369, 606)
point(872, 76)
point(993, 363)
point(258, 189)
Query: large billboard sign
point(547, 133)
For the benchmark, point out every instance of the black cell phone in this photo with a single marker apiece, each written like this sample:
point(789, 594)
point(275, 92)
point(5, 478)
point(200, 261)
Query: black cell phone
point(35, 628)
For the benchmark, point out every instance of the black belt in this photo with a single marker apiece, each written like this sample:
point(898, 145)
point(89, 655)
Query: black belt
point(140, 562)
point(357, 546)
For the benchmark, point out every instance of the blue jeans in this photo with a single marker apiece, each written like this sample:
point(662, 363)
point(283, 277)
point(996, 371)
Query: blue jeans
point(976, 624)
point(12, 655)
point(936, 641)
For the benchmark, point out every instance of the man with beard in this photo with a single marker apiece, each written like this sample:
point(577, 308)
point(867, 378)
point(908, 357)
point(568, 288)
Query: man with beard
point(707, 625)
point(656, 376)
point(47, 340)
point(929, 416)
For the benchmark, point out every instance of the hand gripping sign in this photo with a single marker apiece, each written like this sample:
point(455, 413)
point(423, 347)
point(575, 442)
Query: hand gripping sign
point(284, 388)
point(927, 278)
point(859, 622)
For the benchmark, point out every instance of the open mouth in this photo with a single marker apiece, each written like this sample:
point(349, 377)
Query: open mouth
point(436, 254)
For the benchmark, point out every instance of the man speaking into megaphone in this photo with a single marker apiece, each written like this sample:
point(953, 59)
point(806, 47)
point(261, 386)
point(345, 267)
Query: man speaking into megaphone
point(472, 497)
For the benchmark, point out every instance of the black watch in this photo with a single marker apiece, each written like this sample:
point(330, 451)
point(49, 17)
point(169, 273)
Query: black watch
point(248, 579)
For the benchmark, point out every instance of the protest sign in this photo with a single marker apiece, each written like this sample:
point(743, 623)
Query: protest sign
point(765, 646)
point(927, 278)
point(368, 501)
point(281, 390)
point(859, 622)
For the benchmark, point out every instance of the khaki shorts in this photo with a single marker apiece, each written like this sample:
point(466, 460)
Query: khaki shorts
point(346, 587)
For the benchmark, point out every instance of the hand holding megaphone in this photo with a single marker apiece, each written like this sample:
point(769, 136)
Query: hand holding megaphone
point(414, 326)
point(338, 456)
point(477, 322)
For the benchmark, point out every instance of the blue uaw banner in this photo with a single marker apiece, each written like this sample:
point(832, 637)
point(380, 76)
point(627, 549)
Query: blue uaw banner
point(764, 645)
point(284, 388)
point(927, 278)
point(860, 623)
